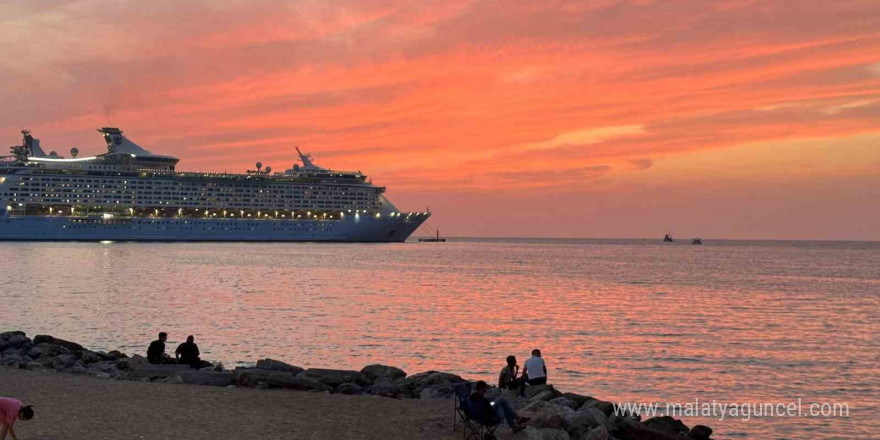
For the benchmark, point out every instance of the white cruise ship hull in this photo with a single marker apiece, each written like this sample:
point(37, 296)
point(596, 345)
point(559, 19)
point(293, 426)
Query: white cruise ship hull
point(348, 229)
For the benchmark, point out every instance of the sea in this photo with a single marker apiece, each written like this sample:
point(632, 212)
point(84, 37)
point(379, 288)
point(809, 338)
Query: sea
point(743, 323)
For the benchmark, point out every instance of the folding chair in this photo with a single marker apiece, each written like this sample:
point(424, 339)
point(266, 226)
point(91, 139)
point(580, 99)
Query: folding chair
point(473, 429)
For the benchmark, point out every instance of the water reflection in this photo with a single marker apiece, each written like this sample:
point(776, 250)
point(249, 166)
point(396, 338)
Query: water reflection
point(620, 320)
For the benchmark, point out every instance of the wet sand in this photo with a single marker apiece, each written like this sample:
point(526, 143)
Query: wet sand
point(81, 407)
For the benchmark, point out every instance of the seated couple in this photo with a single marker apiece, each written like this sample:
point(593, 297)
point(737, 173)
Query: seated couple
point(491, 412)
point(534, 373)
point(186, 353)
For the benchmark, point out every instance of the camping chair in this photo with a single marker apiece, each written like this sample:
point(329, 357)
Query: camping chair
point(472, 429)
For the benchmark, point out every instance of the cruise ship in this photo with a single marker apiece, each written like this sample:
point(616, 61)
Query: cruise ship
point(129, 193)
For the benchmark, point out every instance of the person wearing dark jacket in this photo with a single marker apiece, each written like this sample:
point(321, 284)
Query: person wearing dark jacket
point(188, 353)
point(156, 351)
point(490, 412)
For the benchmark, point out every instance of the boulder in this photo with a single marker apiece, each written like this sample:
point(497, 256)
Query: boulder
point(597, 433)
point(553, 434)
point(11, 359)
point(151, 371)
point(564, 401)
point(349, 388)
point(33, 366)
point(546, 395)
point(6, 335)
point(77, 369)
point(535, 406)
point(700, 432)
point(280, 379)
point(625, 431)
point(531, 433)
point(251, 377)
point(170, 379)
point(210, 378)
point(116, 354)
point(272, 364)
point(46, 339)
point(385, 389)
point(577, 398)
point(52, 350)
point(90, 357)
point(666, 423)
point(64, 361)
point(606, 407)
point(412, 386)
point(441, 391)
point(35, 352)
point(18, 340)
point(382, 373)
point(546, 419)
point(334, 378)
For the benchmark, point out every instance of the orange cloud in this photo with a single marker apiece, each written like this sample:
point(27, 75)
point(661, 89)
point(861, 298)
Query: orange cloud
point(575, 100)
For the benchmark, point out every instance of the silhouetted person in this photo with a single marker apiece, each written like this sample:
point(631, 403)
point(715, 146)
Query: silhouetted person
point(489, 412)
point(188, 353)
point(508, 377)
point(156, 352)
point(10, 410)
point(535, 371)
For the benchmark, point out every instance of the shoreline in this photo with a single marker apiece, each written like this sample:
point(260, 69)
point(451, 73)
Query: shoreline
point(426, 396)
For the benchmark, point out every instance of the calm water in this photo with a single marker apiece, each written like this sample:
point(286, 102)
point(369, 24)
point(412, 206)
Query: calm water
point(621, 320)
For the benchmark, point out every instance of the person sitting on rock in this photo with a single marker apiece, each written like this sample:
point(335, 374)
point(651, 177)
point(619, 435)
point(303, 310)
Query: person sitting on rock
point(535, 371)
point(156, 353)
point(188, 354)
point(10, 410)
point(491, 412)
point(508, 378)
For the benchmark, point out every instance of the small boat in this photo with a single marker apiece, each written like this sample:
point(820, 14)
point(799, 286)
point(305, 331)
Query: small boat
point(435, 239)
point(667, 238)
point(697, 240)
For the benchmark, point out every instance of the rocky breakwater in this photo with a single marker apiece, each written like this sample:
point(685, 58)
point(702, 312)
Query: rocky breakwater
point(552, 415)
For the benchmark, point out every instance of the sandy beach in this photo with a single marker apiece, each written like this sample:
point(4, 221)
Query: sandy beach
point(82, 407)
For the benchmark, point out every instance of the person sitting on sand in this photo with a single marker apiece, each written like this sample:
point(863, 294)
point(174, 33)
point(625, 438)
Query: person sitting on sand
point(11, 409)
point(535, 371)
point(156, 353)
point(490, 412)
point(508, 378)
point(188, 353)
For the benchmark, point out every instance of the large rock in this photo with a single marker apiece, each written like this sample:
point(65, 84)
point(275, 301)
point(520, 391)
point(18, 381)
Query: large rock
point(412, 386)
point(35, 352)
point(700, 432)
point(546, 395)
point(442, 391)
point(606, 407)
point(334, 378)
point(64, 361)
point(564, 401)
point(553, 434)
point(385, 389)
point(251, 377)
point(90, 357)
point(272, 364)
point(117, 354)
point(11, 359)
point(626, 431)
point(18, 340)
point(212, 378)
point(46, 339)
point(666, 423)
point(382, 373)
point(152, 371)
point(280, 379)
point(6, 335)
point(349, 388)
point(547, 419)
point(52, 350)
point(577, 398)
point(597, 433)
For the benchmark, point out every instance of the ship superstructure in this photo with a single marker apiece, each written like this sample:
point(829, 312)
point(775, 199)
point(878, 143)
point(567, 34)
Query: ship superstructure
point(129, 193)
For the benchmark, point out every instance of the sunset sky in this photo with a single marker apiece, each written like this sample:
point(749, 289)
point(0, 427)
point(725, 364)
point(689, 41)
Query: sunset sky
point(724, 119)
